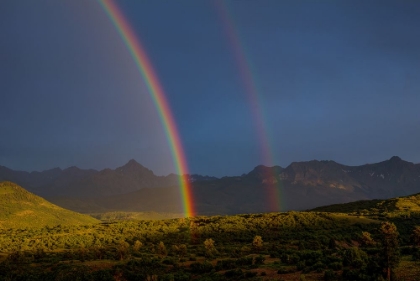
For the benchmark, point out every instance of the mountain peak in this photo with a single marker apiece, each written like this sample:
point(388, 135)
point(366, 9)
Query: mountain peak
point(134, 168)
point(132, 164)
point(395, 159)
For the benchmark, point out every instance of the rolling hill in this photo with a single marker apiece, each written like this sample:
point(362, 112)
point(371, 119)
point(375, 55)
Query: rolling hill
point(20, 209)
point(399, 205)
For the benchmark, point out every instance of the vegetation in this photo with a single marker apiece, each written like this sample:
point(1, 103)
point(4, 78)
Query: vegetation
point(118, 216)
point(390, 251)
point(400, 206)
point(271, 246)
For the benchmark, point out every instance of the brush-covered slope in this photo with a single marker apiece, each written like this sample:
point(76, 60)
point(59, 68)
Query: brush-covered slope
point(394, 205)
point(20, 209)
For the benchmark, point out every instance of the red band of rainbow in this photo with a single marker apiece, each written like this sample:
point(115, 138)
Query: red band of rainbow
point(156, 92)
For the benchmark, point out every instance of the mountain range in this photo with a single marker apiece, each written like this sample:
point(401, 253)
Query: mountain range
point(299, 186)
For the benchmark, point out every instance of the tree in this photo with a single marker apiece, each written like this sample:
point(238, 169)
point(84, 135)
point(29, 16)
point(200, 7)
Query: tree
point(390, 252)
point(209, 246)
point(179, 250)
point(122, 249)
point(98, 250)
point(367, 239)
point(415, 236)
point(182, 250)
point(137, 245)
point(194, 233)
point(257, 243)
point(162, 249)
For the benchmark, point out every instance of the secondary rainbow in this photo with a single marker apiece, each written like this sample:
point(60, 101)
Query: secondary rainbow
point(159, 98)
point(253, 95)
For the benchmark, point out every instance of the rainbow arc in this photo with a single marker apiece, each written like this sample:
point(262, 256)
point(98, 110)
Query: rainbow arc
point(158, 96)
point(253, 95)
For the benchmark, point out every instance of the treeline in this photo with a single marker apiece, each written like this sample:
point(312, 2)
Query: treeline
point(334, 246)
point(233, 229)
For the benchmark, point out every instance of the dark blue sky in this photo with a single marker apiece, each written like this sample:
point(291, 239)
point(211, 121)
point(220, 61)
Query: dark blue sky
point(337, 80)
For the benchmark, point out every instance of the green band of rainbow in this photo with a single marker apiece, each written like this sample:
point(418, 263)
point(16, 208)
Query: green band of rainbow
point(156, 92)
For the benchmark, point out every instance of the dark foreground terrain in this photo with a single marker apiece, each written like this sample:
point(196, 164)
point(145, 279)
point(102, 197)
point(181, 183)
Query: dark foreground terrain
point(270, 246)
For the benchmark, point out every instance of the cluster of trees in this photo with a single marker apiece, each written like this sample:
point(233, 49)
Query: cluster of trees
point(216, 248)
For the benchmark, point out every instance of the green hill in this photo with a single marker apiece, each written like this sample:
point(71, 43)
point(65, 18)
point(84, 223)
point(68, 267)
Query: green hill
point(20, 208)
point(399, 205)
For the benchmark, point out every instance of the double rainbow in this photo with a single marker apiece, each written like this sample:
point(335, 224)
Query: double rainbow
point(158, 95)
point(254, 99)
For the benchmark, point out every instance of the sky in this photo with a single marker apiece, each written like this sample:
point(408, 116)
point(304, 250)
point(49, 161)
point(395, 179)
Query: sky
point(333, 80)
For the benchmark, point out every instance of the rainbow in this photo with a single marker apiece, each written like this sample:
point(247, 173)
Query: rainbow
point(158, 95)
point(253, 96)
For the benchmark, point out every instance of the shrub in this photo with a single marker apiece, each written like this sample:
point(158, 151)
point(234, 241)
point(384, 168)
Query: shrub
point(225, 264)
point(169, 261)
point(234, 273)
point(301, 265)
point(318, 266)
point(329, 275)
point(244, 261)
point(335, 265)
point(259, 259)
point(250, 274)
point(198, 267)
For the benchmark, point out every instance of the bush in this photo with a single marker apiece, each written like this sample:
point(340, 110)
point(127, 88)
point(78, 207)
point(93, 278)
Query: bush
point(225, 264)
point(244, 261)
point(198, 267)
point(301, 265)
point(182, 276)
point(354, 257)
point(329, 275)
point(169, 261)
point(318, 266)
point(234, 273)
point(285, 269)
point(250, 274)
point(335, 265)
point(259, 259)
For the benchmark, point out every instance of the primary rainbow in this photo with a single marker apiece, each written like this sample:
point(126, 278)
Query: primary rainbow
point(253, 95)
point(156, 92)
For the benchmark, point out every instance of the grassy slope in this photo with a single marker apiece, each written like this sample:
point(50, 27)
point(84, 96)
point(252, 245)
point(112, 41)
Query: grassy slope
point(395, 205)
point(20, 209)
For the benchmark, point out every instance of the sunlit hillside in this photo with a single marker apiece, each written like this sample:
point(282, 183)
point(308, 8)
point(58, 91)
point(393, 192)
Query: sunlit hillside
point(20, 209)
point(393, 206)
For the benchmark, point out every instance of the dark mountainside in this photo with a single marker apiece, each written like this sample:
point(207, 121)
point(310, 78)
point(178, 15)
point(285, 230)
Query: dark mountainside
point(301, 185)
point(75, 182)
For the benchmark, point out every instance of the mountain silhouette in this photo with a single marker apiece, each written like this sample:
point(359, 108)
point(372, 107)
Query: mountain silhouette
point(299, 186)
